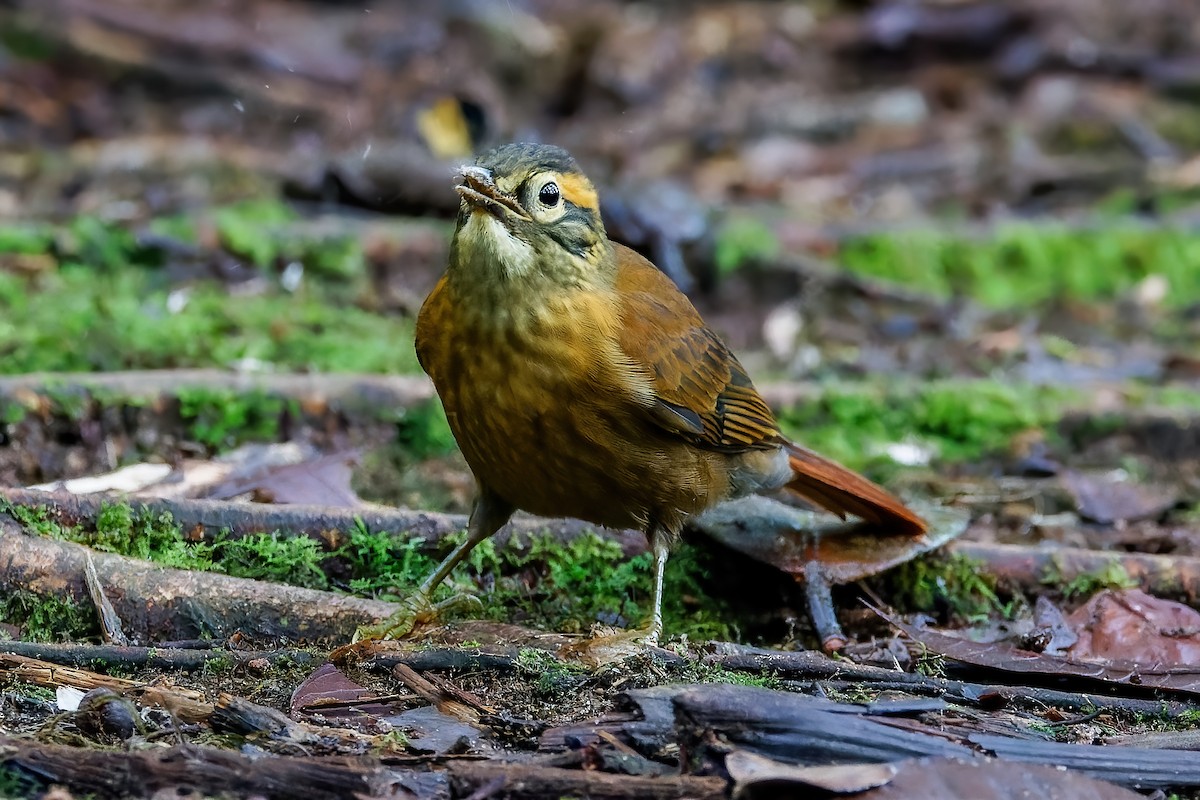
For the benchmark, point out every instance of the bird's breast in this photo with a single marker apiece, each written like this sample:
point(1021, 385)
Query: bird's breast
point(545, 408)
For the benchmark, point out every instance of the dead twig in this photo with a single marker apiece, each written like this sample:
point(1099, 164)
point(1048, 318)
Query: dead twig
point(110, 623)
point(436, 696)
point(185, 704)
point(280, 733)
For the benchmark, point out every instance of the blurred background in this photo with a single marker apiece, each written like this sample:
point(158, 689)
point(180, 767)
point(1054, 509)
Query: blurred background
point(939, 225)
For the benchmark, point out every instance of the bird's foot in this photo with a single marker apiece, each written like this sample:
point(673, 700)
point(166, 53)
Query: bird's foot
point(415, 612)
point(647, 637)
point(608, 645)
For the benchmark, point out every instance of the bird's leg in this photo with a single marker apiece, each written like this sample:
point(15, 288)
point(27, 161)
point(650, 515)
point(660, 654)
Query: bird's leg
point(487, 517)
point(820, 608)
point(662, 550)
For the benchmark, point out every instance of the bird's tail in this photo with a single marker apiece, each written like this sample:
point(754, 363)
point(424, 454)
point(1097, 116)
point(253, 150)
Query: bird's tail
point(843, 491)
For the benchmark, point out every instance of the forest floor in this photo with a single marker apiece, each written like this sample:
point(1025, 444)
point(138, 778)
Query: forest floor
point(955, 245)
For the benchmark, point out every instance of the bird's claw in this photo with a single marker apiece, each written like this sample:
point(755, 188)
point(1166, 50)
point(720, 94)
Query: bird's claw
point(413, 613)
point(456, 604)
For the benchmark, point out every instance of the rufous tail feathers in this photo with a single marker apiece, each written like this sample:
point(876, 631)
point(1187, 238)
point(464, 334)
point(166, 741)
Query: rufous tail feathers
point(842, 491)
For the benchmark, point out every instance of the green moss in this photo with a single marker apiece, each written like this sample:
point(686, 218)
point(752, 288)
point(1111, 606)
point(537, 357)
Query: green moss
point(1111, 576)
point(1022, 264)
point(958, 420)
point(39, 519)
point(379, 567)
point(266, 233)
point(954, 584)
point(48, 618)
point(26, 239)
point(108, 306)
point(17, 783)
point(12, 412)
point(422, 431)
point(564, 587)
point(102, 245)
point(223, 418)
point(158, 538)
point(742, 240)
point(295, 560)
point(552, 675)
point(122, 531)
point(700, 672)
point(79, 319)
point(241, 228)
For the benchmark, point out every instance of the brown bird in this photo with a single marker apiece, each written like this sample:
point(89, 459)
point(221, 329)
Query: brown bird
point(579, 382)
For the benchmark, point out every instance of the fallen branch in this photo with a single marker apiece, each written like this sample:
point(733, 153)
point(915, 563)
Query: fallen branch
point(532, 782)
point(1033, 569)
point(207, 519)
point(315, 392)
point(204, 772)
point(155, 603)
point(438, 696)
point(156, 658)
point(280, 734)
point(812, 666)
point(1136, 767)
point(185, 704)
point(795, 729)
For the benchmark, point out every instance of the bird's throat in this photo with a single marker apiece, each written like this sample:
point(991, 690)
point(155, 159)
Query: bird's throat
point(484, 244)
point(502, 281)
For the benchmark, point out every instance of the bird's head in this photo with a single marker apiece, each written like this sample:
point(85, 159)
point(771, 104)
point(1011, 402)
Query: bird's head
point(527, 211)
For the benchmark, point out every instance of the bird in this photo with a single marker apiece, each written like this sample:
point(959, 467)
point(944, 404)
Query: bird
point(578, 381)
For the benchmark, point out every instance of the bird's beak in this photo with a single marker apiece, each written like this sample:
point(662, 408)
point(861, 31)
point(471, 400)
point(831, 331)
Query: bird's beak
point(480, 190)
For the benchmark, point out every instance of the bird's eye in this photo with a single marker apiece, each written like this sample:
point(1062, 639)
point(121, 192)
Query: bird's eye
point(549, 195)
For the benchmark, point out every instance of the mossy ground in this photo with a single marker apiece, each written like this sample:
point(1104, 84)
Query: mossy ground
point(539, 581)
point(1022, 265)
point(92, 296)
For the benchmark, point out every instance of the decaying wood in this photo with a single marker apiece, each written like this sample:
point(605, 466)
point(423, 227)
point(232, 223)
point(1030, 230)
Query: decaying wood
point(205, 771)
point(799, 729)
point(186, 704)
point(349, 393)
point(796, 728)
point(159, 658)
point(155, 603)
point(811, 666)
point(437, 696)
point(282, 735)
point(535, 782)
point(1034, 569)
point(110, 623)
point(1135, 767)
point(43, 673)
point(932, 778)
point(210, 518)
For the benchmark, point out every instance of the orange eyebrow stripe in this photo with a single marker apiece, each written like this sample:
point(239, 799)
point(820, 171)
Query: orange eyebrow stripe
point(579, 191)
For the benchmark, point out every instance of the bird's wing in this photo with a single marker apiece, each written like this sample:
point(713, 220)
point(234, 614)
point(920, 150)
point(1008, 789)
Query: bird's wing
point(700, 391)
